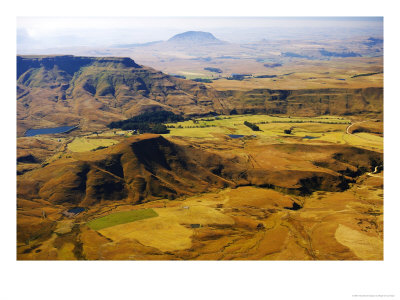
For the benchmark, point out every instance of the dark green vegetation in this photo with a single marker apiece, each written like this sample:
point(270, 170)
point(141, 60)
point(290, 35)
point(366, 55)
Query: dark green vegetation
point(148, 122)
point(121, 218)
point(366, 74)
point(238, 76)
point(295, 55)
point(156, 117)
point(179, 76)
point(215, 70)
point(205, 80)
point(252, 126)
point(339, 54)
point(273, 65)
point(288, 131)
point(266, 76)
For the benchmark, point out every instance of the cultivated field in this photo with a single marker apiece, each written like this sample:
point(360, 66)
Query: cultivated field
point(121, 218)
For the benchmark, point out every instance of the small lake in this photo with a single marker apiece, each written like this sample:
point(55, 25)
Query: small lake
point(76, 210)
point(235, 136)
point(62, 129)
point(310, 137)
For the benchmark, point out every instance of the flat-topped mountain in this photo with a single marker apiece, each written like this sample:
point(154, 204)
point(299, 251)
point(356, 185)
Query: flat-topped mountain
point(197, 37)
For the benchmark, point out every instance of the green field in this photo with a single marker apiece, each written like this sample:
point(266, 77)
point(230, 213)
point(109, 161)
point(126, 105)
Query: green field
point(270, 126)
point(121, 218)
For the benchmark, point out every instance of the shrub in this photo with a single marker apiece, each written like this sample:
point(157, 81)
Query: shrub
point(252, 126)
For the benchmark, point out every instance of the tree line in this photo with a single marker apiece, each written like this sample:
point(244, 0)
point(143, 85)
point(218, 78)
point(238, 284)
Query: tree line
point(151, 122)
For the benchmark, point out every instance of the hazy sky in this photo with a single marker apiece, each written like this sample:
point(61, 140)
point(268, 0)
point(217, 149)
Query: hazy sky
point(52, 32)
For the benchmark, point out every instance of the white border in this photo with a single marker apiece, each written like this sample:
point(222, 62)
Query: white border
point(196, 280)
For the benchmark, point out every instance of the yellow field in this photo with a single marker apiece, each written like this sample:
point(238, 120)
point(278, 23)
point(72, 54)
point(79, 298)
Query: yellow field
point(364, 246)
point(364, 140)
point(82, 144)
point(170, 230)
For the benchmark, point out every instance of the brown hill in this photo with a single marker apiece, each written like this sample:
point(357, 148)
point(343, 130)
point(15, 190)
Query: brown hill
point(149, 167)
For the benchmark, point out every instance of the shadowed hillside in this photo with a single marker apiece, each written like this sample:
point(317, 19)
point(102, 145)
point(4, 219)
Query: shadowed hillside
point(151, 167)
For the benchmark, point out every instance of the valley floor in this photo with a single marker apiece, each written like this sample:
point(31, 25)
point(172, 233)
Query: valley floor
point(289, 218)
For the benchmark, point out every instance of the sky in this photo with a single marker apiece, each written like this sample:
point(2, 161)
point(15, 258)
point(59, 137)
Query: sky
point(58, 32)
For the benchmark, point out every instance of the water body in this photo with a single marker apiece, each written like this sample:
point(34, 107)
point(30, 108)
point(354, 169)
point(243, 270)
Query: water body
point(310, 137)
point(76, 210)
point(62, 129)
point(235, 136)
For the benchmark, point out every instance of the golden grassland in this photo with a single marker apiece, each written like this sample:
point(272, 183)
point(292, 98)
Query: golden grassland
point(82, 144)
point(241, 223)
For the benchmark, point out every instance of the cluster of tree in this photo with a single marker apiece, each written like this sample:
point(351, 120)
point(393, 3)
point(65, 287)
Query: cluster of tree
point(292, 54)
point(339, 54)
point(366, 74)
point(179, 76)
point(148, 122)
point(194, 126)
point(272, 65)
point(215, 70)
point(288, 131)
point(204, 80)
point(238, 76)
point(266, 76)
point(252, 126)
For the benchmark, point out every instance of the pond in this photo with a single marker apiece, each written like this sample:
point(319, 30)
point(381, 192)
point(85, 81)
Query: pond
point(310, 137)
point(62, 129)
point(76, 210)
point(235, 136)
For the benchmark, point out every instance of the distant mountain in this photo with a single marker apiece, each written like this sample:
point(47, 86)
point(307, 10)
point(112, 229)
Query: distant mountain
point(197, 37)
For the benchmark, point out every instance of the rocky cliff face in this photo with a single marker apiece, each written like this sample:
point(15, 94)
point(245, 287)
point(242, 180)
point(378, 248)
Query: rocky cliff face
point(307, 102)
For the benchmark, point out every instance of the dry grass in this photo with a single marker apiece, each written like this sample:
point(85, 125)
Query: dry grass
point(364, 246)
point(82, 144)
